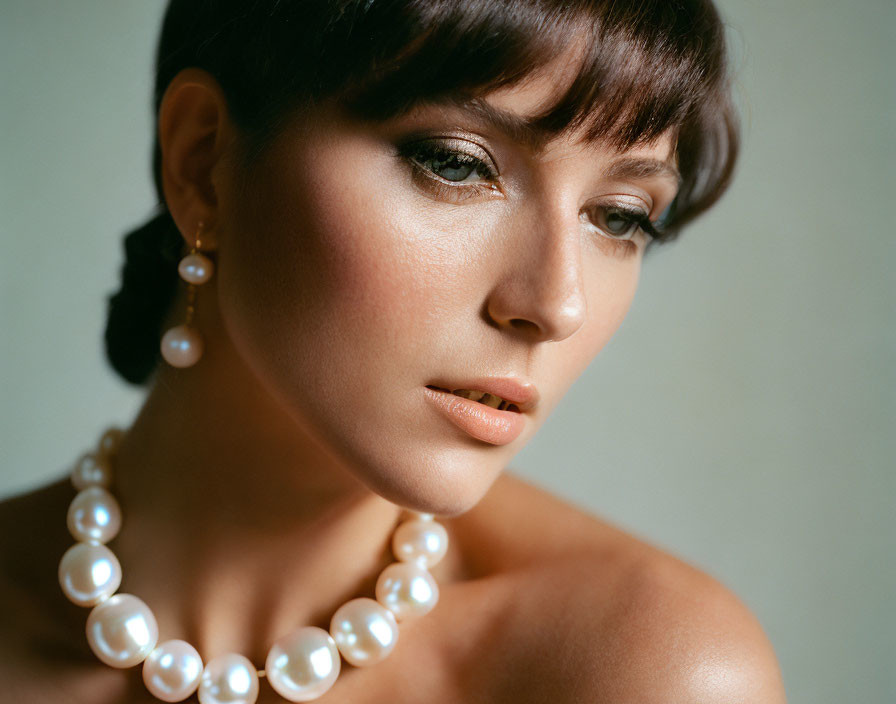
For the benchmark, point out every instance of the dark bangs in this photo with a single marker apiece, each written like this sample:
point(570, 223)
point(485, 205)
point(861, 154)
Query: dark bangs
point(643, 67)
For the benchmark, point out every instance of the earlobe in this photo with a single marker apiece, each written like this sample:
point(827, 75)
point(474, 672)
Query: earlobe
point(193, 132)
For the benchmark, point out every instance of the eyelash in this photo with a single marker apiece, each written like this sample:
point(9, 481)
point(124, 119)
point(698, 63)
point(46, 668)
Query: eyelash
point(458, 193)
point(635, 217)
point(418, 153)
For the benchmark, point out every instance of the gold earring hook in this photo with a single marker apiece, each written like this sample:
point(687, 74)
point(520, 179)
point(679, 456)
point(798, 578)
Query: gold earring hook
point(198, 241)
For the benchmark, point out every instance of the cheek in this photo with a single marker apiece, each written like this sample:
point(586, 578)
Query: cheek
point(334, 281)
point(610, 290)
point(612, 295)
point(306, 253)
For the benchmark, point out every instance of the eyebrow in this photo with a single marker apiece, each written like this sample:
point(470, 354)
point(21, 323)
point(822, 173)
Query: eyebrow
point(518, 128)
point(526, 132)
point(642, 168)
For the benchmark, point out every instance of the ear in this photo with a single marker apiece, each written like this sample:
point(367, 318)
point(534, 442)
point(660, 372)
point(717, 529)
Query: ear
point(194, 132)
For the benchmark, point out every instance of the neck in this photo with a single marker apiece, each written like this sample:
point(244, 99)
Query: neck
point(238, 524)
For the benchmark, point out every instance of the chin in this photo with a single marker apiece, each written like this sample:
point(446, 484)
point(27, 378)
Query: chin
point(446, 483)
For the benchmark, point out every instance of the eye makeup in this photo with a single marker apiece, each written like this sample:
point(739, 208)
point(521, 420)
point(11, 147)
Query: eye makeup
point(453, 169)
point(456, 170)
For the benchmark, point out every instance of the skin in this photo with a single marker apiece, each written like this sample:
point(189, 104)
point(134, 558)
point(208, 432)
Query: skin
point(260, 487)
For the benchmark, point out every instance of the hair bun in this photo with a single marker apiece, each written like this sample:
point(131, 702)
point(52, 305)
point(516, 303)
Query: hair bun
point(148, 287)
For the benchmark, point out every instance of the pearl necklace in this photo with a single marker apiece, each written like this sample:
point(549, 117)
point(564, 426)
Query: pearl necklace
point(301, 666)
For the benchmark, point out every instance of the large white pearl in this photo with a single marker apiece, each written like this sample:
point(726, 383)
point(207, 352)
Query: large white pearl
point(303, 665)
point(195, 268)
point(424, 542)
point(181, 346)
point(91, 470)
point(89, 573)
point(229, 679)
point(94, 515)
point(172, 670)
point(122, 630)
point(407, 590)
point(365, 631)
point(110, 441)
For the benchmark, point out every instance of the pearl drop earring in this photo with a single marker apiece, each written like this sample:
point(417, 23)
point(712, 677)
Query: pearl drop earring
point(182, 345)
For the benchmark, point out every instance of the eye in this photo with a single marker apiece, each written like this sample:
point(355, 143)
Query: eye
point(621, 223)
point(453, 166)
point(454, 169)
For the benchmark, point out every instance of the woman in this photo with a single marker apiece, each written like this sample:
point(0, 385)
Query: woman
point(401, 206)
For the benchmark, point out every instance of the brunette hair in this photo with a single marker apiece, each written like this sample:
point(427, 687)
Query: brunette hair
point(647, 66)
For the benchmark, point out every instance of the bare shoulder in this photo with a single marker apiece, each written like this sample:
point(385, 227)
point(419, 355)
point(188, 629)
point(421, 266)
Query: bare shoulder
point(34, 525)
point(41, 661)
point(602, 616)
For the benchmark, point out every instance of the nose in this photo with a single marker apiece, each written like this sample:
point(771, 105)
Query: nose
point(540, 294)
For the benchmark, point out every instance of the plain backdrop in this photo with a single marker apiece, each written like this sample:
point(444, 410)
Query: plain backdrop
point(742, 417)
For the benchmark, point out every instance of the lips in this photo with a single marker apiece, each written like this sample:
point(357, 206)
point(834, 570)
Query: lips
point(490, 409)
point(478, 420)
point(503, 393)
point(483, 397)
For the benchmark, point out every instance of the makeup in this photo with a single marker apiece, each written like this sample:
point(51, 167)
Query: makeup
point(478, 420)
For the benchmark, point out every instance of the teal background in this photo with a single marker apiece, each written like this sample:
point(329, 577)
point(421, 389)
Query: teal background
point(743, 416)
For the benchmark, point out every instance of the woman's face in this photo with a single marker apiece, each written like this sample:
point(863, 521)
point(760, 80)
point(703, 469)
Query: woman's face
point(359, 264)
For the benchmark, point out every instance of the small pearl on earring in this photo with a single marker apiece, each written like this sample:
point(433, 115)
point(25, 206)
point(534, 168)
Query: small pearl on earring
point(91, 469)
point(195, 268)
point(181, 346)
point(109, 442)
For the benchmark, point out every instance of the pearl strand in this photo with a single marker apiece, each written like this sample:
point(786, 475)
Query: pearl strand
point(301, 666)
